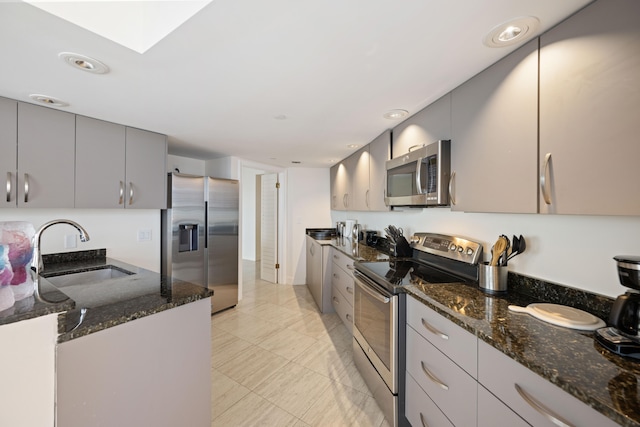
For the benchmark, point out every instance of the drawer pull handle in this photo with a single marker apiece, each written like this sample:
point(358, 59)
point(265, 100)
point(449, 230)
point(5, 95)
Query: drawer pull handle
point(349, 318)
point(424, 423)
point(336, 257)
point(349, 290)
point(350, 267)
point(433, 377)
point(433, 330)
point(336, 300)
point(539, 407)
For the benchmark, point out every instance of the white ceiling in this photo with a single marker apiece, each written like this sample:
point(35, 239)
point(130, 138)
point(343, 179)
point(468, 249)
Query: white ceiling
point(217, 83)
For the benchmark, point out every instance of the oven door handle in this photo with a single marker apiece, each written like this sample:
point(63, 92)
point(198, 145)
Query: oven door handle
point(369, 287)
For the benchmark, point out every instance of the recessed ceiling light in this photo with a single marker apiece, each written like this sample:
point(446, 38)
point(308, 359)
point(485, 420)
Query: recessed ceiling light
point(395, 114)
point(84, 63)
point(48, 100)
point(353, 145)
point(511, 32)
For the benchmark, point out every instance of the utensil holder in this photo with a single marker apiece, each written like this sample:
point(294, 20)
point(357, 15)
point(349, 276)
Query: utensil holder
point(493, 279)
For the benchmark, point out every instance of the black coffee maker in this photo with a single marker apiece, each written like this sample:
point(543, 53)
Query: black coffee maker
point(623, 334)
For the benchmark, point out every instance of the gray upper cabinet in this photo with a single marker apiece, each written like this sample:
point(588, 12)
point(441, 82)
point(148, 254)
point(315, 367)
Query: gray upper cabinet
point(146, 169)
point(100, 162)
point(46, 157)
point(426, 126)
point(9, 150)
point(494, 120)
point(379, 153)
point(358, 182)
point(590, 112)
point(119, 167)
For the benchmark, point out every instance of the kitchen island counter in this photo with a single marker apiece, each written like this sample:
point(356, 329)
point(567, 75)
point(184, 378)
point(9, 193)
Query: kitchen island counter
point(101, 305)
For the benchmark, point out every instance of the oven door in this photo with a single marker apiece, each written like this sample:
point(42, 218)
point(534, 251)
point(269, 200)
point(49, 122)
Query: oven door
point(375, 327)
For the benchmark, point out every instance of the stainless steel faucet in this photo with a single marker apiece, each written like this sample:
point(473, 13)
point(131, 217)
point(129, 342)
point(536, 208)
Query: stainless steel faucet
point(36, 262)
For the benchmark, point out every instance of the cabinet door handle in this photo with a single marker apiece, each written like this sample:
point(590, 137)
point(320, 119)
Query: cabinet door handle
point(366, 198)
point(418, 177)
point(433, 330)
point(349, 318)
point(350, 267)
point(349, 290)
point(344, 200)
point(311, 250)
point(121, 198)
point(8, 186)
point(543, 179)
point(424, 423)
point(539, 407)
point(433, 378)
point(451, 197)
point(26, 188)
point(130, 193)
point(336, 300)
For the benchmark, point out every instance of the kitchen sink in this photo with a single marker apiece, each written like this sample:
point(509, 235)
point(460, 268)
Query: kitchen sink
point(88, 277)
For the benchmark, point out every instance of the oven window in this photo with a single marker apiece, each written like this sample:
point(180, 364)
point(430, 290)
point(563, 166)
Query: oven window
point(374, 321)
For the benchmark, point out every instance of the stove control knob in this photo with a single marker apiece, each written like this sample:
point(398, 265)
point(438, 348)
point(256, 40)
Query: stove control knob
point(453, 247)
point(460, 249)
point(469, 251)
point(414, 239)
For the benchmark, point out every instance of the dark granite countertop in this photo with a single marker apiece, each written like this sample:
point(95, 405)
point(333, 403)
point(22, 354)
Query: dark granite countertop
point(93, 306)
point(51, 301)
point(570, 359)
point(357, 251)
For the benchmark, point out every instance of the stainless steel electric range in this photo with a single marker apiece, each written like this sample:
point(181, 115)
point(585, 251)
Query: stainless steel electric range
point(379, 310)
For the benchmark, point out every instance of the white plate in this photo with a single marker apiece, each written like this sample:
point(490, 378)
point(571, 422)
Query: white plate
point(561, 315)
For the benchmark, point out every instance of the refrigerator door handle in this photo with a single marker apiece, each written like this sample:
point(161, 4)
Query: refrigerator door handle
point(206, 224)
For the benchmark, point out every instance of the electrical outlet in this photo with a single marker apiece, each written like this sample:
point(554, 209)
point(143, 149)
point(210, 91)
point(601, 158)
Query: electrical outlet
point(70, 241)
point(144, 235)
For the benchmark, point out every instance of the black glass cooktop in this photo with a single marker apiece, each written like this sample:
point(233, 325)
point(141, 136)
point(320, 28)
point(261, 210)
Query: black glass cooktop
point(401, 272)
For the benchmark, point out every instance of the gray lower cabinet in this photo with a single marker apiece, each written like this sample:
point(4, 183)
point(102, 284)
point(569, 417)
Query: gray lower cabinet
point(318, 276)
point(589, 110)
point(426, 126)
point(342, 287)
point(153, 371)
point(493, 413)
point(532, 397)
point(46, 157)
point(118, 167)
point(420, 409)
point(9, 150)
point(494, 146)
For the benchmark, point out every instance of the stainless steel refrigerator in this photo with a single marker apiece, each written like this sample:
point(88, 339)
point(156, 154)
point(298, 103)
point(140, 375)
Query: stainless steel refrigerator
point(200, 235)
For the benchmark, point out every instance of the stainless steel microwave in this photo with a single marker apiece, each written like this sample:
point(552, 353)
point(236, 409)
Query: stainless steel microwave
point(420, 177)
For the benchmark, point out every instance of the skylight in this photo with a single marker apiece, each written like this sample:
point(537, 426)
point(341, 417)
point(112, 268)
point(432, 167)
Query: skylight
point(137, 25)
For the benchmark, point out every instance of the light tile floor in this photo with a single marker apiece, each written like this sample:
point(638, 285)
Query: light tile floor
point(276, 361)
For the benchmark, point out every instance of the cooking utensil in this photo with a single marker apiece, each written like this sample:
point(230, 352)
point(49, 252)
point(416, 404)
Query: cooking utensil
point(561, 315)
point(519, 246)
point(497, 250)
point(502, 260)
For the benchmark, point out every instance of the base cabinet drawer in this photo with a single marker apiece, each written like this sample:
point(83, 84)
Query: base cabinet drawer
point(532, 397)
point(343, 308)
point(344, 261)
point(342, 280)
point(420, 409)
point(448, 385)
point(458, 344)
point(492, 412)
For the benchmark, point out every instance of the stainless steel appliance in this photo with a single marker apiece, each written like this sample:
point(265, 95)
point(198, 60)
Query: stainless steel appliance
point(623, 334)
point(200, 235)
point(420, 177)
point(380, 304)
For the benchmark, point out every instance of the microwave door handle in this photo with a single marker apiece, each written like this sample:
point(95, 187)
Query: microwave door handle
point(418, 173)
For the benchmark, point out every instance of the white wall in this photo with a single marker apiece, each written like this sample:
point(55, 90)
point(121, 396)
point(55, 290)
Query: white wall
point(308, 193)
point(113, 229)
point(186, 165)
point(569, 250)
